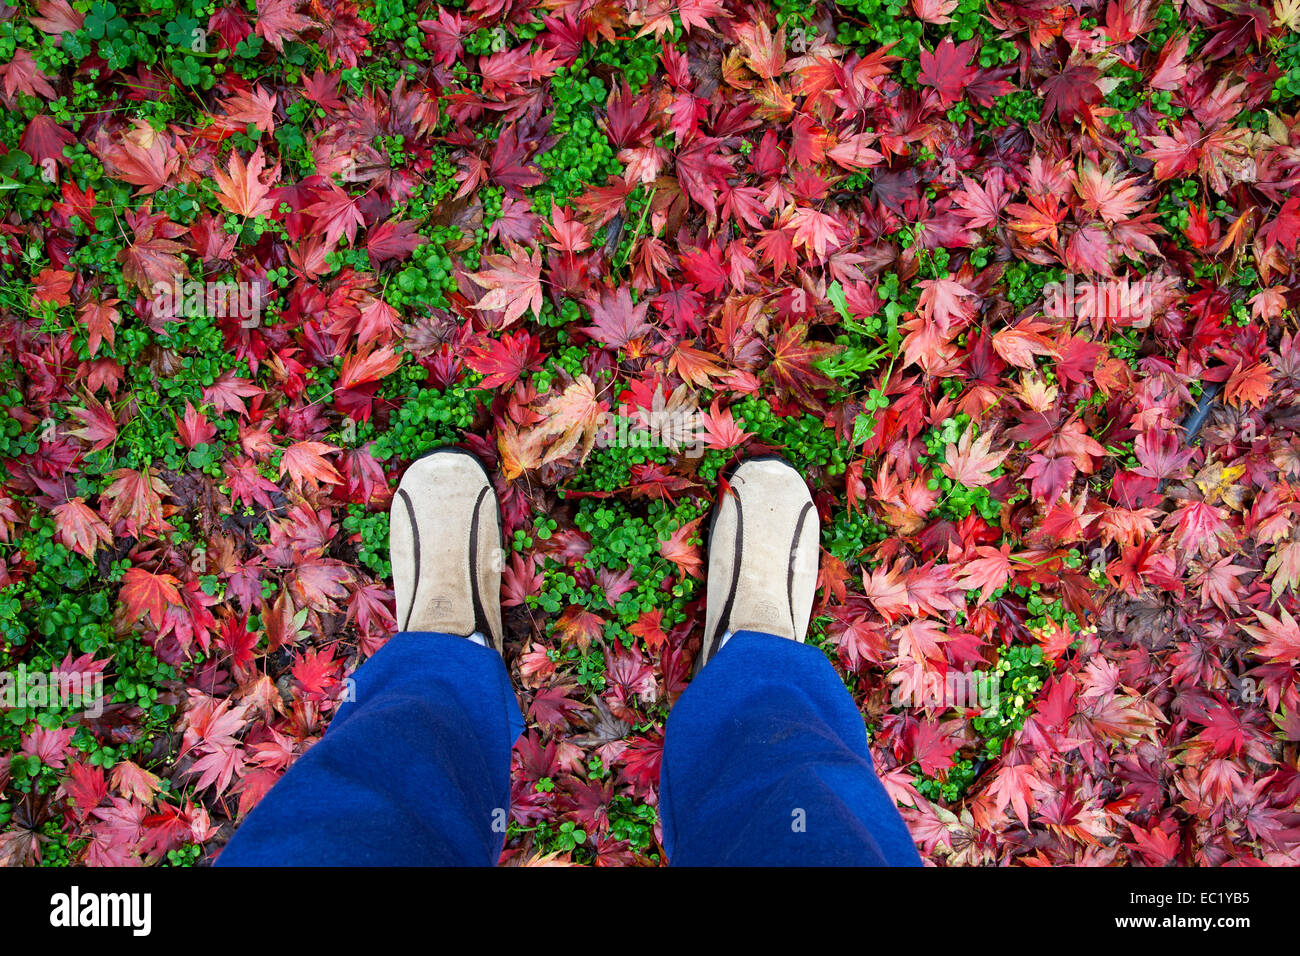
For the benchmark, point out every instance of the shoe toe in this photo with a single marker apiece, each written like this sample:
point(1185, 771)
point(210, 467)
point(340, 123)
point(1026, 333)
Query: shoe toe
point(442, 472)
point(446, 574)
point(763, 553)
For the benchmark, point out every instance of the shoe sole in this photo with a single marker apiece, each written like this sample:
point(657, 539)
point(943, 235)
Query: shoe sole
point(715, 630)
point(482, 621)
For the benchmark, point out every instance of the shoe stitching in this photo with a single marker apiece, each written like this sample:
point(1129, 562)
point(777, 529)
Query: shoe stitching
point(789, 577)
point(480, 618)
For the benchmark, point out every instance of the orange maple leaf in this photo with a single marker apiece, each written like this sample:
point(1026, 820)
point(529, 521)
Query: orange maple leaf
point(570, 420)
point(1249, 385)
point(678, 549)
point(80, 529)
point(144, 592)
point(579, 626)
point(303, 462)
point(359, 369)
point(242, 189)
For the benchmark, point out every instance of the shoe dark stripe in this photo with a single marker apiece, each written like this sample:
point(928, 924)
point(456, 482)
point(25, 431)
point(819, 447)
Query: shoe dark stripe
point(415, 534)
point(480, 619)
point(789, 577)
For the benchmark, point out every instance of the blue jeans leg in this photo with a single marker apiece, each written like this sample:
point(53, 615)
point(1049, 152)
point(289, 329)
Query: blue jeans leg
point(415, 772)
point(766, 764)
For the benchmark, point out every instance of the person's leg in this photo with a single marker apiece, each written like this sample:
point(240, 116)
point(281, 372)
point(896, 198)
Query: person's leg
point(417, 769)
point(766, 764)
point(765, 755)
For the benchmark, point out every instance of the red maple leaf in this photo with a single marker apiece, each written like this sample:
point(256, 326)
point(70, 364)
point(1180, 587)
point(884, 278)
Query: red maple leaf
point(553, 709)
point(503, 361)
point(703, 171)
point(793, 364)
point(85, 787)
point(947, 70)
point(928, 744)
point(393, 240)
point(336, 213)
point(151, 259)
point(616, 321)
point(277, 21)
point(44, 139)
point(242, 190)
point(680, 551)
point(1072, 92)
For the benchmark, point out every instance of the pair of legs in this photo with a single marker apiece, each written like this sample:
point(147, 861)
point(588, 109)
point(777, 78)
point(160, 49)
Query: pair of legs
point(765, 755)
